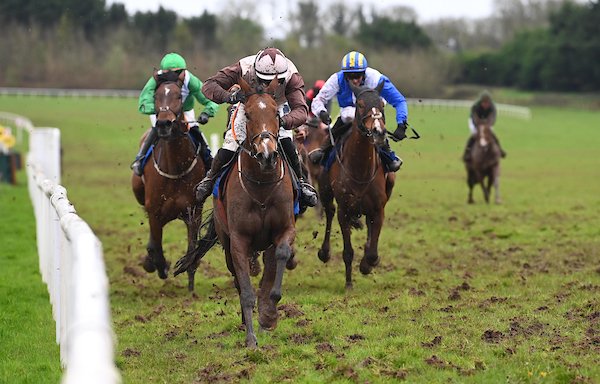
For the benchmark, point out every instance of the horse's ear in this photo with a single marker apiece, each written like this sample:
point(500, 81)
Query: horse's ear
point(379, 86)
point(181, 78)
point(355, 90)
point(273, 85)
point(155, 75)
point(244, 85)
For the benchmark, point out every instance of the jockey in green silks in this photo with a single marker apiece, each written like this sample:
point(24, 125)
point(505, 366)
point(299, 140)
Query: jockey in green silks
point(191, 88)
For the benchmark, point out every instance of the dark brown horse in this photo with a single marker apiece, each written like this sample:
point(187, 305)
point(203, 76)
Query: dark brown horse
point(484, 165)
point(313, 133)
point(166, 189)
point(256, 212)
point(358, 182)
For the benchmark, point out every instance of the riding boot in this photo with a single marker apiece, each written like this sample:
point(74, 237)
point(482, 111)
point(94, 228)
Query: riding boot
point(150, 138)
point(391, 162)
point(467, 154)
point(205, 186)
point(502, 153)
point(308, 194)
point(338, 129)
point(198, 136)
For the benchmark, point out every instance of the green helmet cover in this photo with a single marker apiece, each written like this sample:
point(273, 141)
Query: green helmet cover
point(172, 61)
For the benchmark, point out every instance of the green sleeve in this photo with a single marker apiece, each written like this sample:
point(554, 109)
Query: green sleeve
point(195, 87)
point(146, 100)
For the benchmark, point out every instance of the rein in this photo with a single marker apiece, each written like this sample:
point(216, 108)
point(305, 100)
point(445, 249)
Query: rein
point(258, 182)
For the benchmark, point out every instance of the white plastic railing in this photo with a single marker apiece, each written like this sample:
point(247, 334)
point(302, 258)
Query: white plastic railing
point(71, 264)
point(511, 110)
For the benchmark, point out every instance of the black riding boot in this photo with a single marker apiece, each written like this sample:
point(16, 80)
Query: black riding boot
point(204, 148)
point(338, 129)
point(136, 166)
point(502, 153)
point(467, 154)
point(308, 195)
point(205, 187)
point(391, 161)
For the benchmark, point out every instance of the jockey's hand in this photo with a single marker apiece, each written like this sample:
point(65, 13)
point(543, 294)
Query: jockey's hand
point(399, 133)
point(203, 119)
point(325, 118)
point(281, 121)
point(236, 97)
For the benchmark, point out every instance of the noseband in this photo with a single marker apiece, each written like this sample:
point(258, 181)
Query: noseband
point(362, 128)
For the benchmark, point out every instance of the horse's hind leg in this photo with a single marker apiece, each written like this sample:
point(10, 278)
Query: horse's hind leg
point(471, 184)
point(496, 176)
point(371, 258)
point(348, 253)
point(486, 189)
point(193, 227)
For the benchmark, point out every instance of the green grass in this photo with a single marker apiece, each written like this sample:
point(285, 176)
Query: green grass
point(465, 294)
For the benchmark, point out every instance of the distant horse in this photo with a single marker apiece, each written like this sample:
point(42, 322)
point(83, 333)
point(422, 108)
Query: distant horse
point(484, 164)
point(358, 182)
point(256, 212)
point(314, 134)
point(166, 189)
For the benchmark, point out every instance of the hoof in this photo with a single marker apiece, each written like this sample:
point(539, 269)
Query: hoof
point(164, 272)
point(323, 255)
point(292, 263)
point(251, 341)
point(148, 264)
point(349, 286)
point(365, 268)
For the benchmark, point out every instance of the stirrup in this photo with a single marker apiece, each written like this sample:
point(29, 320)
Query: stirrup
point(309, 194)
point(395, 165)
point(136, 167)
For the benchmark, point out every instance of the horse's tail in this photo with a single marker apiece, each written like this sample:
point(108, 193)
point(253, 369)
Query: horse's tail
point(204, 245)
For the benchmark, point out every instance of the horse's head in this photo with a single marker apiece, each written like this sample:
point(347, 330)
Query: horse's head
point(168, 103)
point(369, 117)
point(262, 126)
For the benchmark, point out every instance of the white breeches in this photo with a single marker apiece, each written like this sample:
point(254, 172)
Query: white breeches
point(236, 135)
point(188, 116)
point(473, 128)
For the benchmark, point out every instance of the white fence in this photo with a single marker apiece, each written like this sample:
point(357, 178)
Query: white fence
point(71, 264)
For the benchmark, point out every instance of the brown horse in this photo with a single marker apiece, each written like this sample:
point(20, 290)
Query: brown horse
point(484, 164)
point(255, 213)
point(166, 189)
point(358, 182)
point(311, 139)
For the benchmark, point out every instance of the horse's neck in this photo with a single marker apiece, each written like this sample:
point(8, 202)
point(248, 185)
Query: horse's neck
point(359, 153)
point(175, 155)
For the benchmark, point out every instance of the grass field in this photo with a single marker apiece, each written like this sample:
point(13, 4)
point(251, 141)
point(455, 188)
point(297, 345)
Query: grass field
point(465, 294)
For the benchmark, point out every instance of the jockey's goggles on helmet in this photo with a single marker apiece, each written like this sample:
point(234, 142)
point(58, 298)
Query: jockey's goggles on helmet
point(354, 75)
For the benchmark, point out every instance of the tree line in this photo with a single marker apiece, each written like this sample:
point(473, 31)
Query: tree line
point(85, 43)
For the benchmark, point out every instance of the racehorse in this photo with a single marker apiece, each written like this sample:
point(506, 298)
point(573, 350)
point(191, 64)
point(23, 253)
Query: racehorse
point(484, 164)
point(310, 139)
point(166, 188)
point(256, 212)
point(358, 182)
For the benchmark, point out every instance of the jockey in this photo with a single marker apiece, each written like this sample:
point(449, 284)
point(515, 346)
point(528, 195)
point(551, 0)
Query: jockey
point(171, 66)
point(355, 70)
point(483, 111)
point(260, 69)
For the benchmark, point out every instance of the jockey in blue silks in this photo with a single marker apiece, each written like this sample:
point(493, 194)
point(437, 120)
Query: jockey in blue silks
point(355, 70)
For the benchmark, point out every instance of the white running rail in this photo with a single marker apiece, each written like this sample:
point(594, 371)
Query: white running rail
point(71, 264)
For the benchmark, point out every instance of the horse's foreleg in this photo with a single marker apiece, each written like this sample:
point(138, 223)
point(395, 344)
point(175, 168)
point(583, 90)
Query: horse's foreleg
point(239, 257)
point(155, 260)
point(324, 252)
point(371, 258)
point(348, 253)
point(267, 308)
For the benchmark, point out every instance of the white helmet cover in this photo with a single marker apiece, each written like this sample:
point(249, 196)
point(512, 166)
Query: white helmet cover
point(270, 62)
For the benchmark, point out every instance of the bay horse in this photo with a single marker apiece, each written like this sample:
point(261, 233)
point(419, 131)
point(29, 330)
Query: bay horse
point(358, 182)
point(484, 165)
point(311, 139)
point(255, 212)
point(166, 188)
